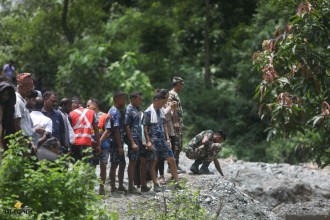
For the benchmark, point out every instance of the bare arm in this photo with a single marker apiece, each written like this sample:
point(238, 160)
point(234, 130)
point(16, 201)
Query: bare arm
point(217, 166)
point(205, 139)
point(18, 124)
point(105, 135)
point(97, 137)
point(117, 137)
point(130, 137)
point(146, 135)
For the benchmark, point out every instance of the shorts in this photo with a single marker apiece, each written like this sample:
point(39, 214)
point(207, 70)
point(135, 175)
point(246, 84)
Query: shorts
point(145, 153)
point(114, 156)
point(77, 152)
point(133, 155)
point(161, 150)
point(104, 156)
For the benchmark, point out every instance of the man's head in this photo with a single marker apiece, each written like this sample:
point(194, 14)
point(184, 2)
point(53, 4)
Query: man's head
point(31, 99)
point(158, 100)
point(75, 103)
point(7, 93)
point(53, 145)
point(50, 100)
point(165, 93)
point(136, 99)
point(119, 99)
point(177, 84)
point(219, 136)
point(93, 104)
point(24, 84)
point(65, 104)
point(39, 104)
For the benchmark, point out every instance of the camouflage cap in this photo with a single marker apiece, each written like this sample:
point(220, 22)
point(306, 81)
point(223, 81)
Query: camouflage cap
point(177, 79)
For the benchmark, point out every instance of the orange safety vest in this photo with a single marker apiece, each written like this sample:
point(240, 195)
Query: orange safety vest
point(82, 124)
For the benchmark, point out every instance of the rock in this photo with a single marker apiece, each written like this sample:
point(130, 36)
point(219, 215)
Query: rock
point(250, 191)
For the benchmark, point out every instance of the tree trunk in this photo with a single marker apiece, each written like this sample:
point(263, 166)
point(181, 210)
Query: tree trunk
point(65, 27)
point(207, 74)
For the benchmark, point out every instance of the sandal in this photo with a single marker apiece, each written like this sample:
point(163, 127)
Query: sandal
point(162, 180)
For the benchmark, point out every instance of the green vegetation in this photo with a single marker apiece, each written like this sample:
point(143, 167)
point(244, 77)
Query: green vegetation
point(295, 90)
point(90, 49)
point(51, 190)
point(180, 204)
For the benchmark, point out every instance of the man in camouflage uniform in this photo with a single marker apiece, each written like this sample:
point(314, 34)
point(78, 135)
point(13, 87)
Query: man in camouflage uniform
point(203, 148)
point(177, 84)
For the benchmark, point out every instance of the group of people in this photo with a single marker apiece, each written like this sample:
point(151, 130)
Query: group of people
point(152, 136)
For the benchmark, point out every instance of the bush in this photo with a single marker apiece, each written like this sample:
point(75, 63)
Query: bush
point(180, 204)
point(51, 190)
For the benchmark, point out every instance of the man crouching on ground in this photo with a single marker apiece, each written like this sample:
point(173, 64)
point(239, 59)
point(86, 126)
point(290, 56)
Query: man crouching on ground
point(203, 148)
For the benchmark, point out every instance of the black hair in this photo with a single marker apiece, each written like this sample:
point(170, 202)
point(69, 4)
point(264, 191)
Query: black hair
point(135, 94)
point(48, 94)
point(158, 96)
point(52, 141)
point(95, 101)
point(162, 91)
point(33, 94)
point(118, 94)
point(64, 101)
point(222, 134)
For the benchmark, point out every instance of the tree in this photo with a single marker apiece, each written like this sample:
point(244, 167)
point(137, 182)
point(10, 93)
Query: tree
point(295, 90)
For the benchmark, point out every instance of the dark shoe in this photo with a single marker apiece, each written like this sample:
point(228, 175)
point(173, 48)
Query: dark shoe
point(122, 189)
point(157, 188)
point(194, 169)
point(133, 190)
point(205, 171)
point(145, 188)
point(114, 189)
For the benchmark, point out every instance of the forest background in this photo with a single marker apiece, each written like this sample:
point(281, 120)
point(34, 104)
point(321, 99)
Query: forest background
point(92, 48)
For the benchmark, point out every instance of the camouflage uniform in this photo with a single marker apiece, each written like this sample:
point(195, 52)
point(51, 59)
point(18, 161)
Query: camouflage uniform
point(173, 96)
point(132, 118)
point(204, 153)
point(156, 134)
point(115, 120)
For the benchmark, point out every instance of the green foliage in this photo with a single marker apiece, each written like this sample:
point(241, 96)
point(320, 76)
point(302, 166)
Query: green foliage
point(52, 190)
point(93, 67)
point(180, 204)
point(141, 45)
point(295, 87)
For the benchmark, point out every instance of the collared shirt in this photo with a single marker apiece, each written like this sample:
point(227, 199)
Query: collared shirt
point(58, 129)
point(155, 130)
point(115, 120)
point(38, 118)
point(22, 112)
point(133, 119)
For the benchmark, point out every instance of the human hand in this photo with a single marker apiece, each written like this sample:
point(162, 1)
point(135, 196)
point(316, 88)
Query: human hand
point(120, 151)
point(149, 145)
point(134, 147)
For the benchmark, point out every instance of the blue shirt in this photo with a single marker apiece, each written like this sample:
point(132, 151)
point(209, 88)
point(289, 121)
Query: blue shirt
point(58, 125)
point(155, 130)
point(116, 120)
point(132, 118)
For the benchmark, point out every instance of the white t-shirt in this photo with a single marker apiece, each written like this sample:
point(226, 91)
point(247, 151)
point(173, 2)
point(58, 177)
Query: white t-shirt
point(38, 118)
